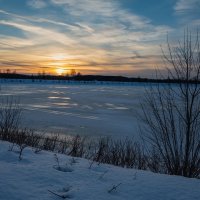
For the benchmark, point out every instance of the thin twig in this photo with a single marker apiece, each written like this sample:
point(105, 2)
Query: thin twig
point(114, 187)
point(61, 196)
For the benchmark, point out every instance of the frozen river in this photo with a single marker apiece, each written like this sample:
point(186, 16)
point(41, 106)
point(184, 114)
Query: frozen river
point(97, 110)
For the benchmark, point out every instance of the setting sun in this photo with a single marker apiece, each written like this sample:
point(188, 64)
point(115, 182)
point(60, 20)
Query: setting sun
point(60, 71)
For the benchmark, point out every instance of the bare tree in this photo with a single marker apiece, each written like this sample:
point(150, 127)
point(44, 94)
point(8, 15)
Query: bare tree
point(72, 72)
point(171, 112)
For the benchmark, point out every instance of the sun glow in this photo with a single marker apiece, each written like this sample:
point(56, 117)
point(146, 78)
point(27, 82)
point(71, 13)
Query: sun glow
point(60, 71)
point(58, 57)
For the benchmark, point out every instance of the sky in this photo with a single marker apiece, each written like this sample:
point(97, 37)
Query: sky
point(108, 37)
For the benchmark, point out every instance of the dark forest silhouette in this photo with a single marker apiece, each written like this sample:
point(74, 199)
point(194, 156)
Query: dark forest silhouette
point(88, 78)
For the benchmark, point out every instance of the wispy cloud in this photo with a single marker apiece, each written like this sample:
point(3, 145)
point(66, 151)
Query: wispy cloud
point(36, 3)
point(93, 34)
point(186, 5)
point(103, 10)
point(187, 12)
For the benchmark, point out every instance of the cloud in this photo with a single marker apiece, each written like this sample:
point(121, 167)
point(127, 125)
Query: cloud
point(42, 33)
point(70, 26)
point(187, 12)
point(100, 10)
point(93, 34)
point(188, 8)
point(186, 5)
point(36, 4)
point(110, 24)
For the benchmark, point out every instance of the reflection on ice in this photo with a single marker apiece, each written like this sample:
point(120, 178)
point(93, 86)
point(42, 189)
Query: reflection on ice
point(115, 107)
point(54, 97)
point(118, 108)
point(39, 106)
point(64, 98)
point(61, 104)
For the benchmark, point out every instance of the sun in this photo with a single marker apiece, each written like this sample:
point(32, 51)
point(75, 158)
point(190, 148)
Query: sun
point(60, 71)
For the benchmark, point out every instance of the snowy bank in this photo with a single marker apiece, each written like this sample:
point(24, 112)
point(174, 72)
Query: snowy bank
point(37, 176)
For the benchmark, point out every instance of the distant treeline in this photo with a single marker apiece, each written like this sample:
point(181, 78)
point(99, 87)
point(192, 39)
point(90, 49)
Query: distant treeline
point(88, 78)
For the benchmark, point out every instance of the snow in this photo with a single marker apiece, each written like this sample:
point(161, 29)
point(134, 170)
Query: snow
point(37, 174)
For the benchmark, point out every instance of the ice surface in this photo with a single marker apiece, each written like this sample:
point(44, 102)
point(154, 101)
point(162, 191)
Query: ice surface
point(96, 110)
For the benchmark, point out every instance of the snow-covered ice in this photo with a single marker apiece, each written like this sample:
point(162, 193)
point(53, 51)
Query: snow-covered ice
point(35, 177)
point(97, 110)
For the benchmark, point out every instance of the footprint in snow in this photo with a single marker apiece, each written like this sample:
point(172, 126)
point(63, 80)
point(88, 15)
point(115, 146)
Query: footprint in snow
point(63, 168)
point(63, 193)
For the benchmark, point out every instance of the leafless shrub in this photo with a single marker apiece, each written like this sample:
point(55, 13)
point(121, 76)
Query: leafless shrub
point(77, 146)
point(172, 112)
point(124, 153)
point(20, 140)
point(101, 150)
point(10, 114)
point(63, 145)
point(50, 142)
point(34, 139)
